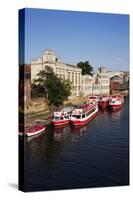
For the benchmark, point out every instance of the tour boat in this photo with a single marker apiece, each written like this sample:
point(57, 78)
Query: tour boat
point(83, 114)
point(34, 130)
point(103, 102)
point(116, 102)
point(93, 99)
point(62, 117)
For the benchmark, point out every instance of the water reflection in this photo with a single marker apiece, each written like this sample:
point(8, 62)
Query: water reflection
point(79, 130)
point(36, 138)
point(50, 146)
point(115, 115)
point(61, 133)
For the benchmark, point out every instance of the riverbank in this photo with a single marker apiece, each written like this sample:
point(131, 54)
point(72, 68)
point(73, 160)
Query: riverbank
point(38, 110)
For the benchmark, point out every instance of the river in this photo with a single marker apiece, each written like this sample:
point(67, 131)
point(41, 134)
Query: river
point(96, 155)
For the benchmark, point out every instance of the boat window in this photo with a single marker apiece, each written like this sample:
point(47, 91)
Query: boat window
point(56, 118)
point(92, 97)
point(91, 111)
point(66, 117)
point(61, 118)
point(83, 116)
point(77, 116)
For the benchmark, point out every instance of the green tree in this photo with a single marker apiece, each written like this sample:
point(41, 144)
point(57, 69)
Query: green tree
point(86, 68)
point(56, 90)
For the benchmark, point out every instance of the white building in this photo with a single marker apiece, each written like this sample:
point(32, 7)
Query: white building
point(84, 85)
point(102, 79)
point(110, 73)
point(64, 71)
point(115, 73)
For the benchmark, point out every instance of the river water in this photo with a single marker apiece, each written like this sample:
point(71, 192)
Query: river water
point(96, 155)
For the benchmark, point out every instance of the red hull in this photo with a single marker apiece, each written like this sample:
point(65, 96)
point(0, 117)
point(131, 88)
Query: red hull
point(103, 104)
point(79, 123)
point(115, 107)
point(35, 130)
point(60, 122)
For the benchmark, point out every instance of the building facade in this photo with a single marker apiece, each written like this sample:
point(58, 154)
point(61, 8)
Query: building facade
point(86, 85)
point(82, 85)
point(62, 70)
point(110, 73)
point(102, 81)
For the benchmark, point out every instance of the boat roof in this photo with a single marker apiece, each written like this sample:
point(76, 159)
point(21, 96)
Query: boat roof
point(57, 113)
point(89, 106)
point(60, 114)
point(117, 95)
point(67, 109)
point(82, 109)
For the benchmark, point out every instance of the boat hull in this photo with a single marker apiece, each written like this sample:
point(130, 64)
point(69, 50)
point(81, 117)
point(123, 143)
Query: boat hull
point(60, 122)
point(115, 106)
point(35, 132)
point(103, 104)
point(116, 102)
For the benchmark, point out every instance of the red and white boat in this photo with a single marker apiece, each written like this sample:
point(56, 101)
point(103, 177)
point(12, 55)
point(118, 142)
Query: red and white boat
point(93, 99)
point(62, 117)
point(103, 102)
point(83, 114)
point(34, 130)
point(116, 102)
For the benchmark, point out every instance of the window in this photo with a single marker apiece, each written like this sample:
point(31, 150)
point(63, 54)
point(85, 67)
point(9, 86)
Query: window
point(77, 116)
point(76, 78)
point(90, 112)
point(56, 118)
point(73, 77)
point(66, 117)
point(79, 78)
point(68, 75)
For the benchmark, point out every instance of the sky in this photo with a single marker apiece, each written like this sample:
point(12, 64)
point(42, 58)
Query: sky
point(100, 38)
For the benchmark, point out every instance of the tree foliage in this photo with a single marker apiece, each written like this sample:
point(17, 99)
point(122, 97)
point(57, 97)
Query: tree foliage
point(56, 90)
point(86, 68)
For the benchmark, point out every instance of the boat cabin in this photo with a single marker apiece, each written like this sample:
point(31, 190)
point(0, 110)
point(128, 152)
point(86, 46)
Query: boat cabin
point(93, 99)
point(60, 116)
point(83, 112)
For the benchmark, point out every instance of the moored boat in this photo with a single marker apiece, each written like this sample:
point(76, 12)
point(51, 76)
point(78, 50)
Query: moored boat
point(93, 99)
point(83, 114)
point(103, 102)
point(116, 102)
point(34, 130)
point(62, 117)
